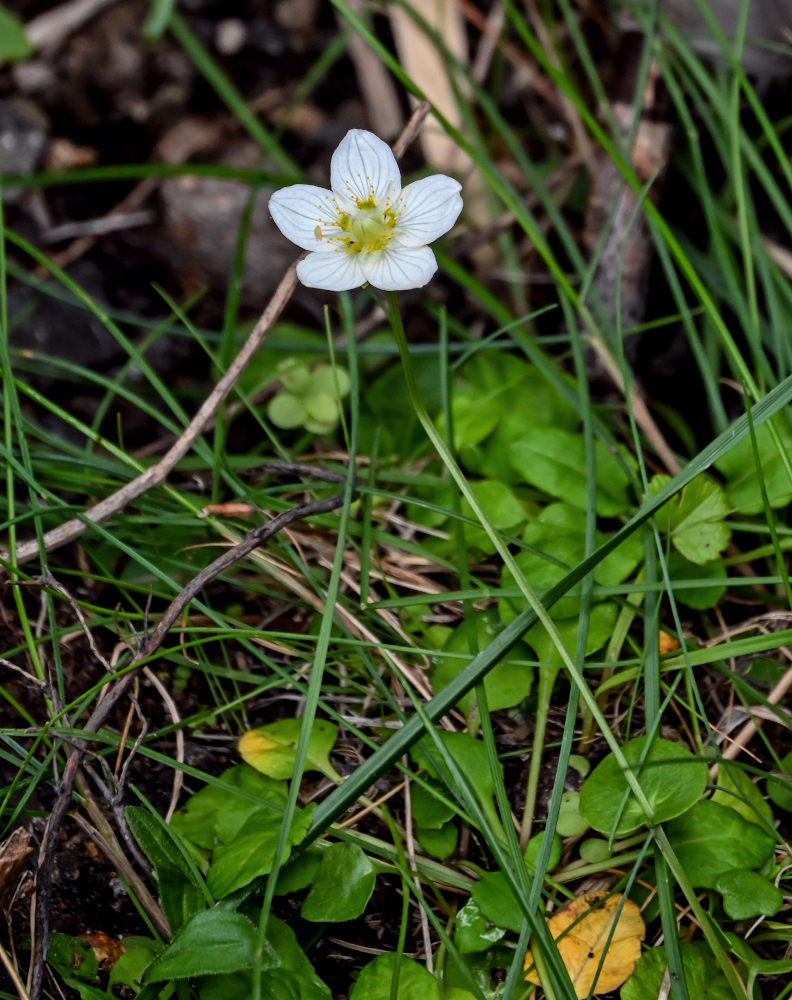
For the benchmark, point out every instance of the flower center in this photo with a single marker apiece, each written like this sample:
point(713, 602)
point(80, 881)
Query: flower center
point(368, 229)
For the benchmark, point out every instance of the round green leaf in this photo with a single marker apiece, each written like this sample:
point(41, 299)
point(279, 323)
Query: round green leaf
point(342, 887)
point(473, 932)
point(746, 894)
point(570, 821)
point(493, 896)
point(430, 811)
point(683, 572)
point(554, 460)
point(534, 847)
point(286, 411)
point(594, 850)
point(670, 776)
point(441, 841)
point(322, 407)
point(711, 839)
point(374, 981)
point(319, 426)
point(294, 375)
point(334, 381)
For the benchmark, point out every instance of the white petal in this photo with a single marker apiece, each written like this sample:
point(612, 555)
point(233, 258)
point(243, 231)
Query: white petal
point(396, 267)
point(427, 209)
point(332, 269)
point(298, 211)
point(363, 167)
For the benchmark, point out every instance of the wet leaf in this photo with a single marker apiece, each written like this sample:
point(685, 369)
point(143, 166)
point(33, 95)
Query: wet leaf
point(473, 932)
point(585, 931)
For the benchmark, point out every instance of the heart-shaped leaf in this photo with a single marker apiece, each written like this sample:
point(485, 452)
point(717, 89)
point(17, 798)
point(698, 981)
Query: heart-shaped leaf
point(670, 776)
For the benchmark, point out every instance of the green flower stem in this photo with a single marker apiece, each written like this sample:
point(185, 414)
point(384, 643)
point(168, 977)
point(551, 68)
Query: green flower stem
point(547, 678)
point(528, 592)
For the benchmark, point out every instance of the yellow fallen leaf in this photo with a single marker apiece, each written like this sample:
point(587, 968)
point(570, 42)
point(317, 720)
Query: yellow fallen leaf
point(667, 642)
point(581, 946)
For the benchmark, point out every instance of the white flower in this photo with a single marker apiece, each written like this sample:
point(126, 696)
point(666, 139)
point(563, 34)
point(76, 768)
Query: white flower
point(366, 228)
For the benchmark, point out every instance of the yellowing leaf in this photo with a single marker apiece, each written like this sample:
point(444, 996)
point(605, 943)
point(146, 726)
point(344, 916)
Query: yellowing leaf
point(582, 930)
point(272, 749)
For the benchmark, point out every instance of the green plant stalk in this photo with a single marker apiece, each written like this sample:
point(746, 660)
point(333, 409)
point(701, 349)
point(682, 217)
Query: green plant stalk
point(547, 678)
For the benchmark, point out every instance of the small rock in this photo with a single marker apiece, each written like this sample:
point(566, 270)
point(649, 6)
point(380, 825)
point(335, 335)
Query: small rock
point(230, 36)
point(23, 135)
